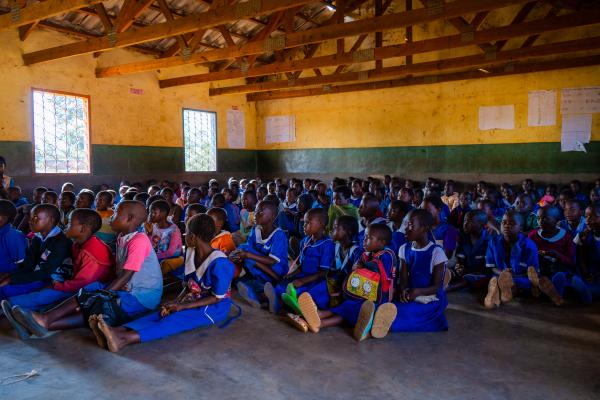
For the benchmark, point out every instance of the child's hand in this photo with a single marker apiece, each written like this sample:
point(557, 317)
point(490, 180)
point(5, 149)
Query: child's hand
point(168, 309)
point(404, 295)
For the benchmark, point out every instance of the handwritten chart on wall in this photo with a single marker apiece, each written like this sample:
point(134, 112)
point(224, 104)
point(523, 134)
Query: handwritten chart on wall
point(576, 132)
point(496, 117)
point(280, 129)
point(541, 109)
point(585, 100)
point(236, 129)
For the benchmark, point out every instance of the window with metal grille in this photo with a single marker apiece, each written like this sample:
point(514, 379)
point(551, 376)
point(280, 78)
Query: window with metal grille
point(61, 132)
point(200, 140)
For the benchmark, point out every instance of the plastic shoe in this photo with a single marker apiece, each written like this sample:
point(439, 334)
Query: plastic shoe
point(20, 329)
point(505, 283)
point(365, 321)
point(274, 304)
point(492, 299)
point(383, 319)
point(248, 294)
point(310, 312)
point(298, 322)
point(292, 303)
point(534, 278)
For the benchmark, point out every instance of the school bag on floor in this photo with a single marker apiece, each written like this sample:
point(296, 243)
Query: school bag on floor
point(369, 281)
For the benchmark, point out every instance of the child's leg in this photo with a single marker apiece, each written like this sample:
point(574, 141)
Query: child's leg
point(67, 315)
point(19, 289)
point(171, 264)
point(329, 319)
point(36, 300)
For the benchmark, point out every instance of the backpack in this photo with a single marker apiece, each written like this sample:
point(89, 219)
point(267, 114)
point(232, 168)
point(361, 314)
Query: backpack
point(370, 280)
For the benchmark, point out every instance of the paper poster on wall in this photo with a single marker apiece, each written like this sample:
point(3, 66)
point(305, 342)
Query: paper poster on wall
point(585, 100)
point(280, 129)
point(496, 117)
point(236, 129)
point(576, 132)
point(541, 109)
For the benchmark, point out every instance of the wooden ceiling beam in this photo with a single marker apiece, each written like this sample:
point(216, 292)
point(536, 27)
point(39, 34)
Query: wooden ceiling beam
point(316, 35)
point(191, 23)
point(473, 61)
point(40, 11)
point(423, 46)
point(508, 69)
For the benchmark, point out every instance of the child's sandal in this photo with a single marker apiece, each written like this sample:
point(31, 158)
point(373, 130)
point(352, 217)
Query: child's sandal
point(365, 321)
point(298, 322)
point(383, 320)
point(310, 312)
point(292, 303)
point(534, 278)
point(549, 290)
point(505, 283)
point(492, 299)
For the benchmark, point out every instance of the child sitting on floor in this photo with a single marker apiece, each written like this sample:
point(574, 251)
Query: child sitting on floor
point(397, 213)
point(263, 256)
point(104, 204)
point(24, 212)
point(307, 272)
point(513, 259)
point(289, 210)
point(233, 211)
point(556, 249)
point(164, 235)
point(207, 301)
point(420, 298)
point(85, 199)
point(222, 240)
point(574, 221)
point(136, 290)
point(246, 216)
point(92, 268)
point(50, 197)
point(357, 193)
point(370, 281)
point(13, 244)
point(48, 250)
point(457, 215)
point(66, 202)
point(341, 206)
point(369, 214)
point(16, 196)
point(524, 206)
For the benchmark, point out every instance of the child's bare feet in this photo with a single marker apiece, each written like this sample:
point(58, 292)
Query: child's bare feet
point(505, 283)
point(310, 312)
point(492, 299)
point(93, 323)
point(113, 340)
point(383, 319)
point(534, 278)
point(549, 290)
point(298, 322)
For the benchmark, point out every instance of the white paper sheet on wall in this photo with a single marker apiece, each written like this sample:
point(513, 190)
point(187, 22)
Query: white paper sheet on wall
point(585, 100)
point(236, 129)
point(280, 129)
point(541, 109)
point(576, 132)
point(496, 117)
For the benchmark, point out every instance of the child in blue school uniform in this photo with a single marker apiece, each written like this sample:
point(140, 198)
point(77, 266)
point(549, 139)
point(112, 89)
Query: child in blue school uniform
point(13, 244)
point(420, 296)
point(136, 290)
point(48, 251)
point(398, 210)
point(307, 273)
point(513, 259)
point(370, 282)
point(369, 213)
point(232, 209)
point(289, 210)
point(574, 221)
point(357, 193)
point(206, 302)
point(444, 234)
point(469, 269)
point(263, 256)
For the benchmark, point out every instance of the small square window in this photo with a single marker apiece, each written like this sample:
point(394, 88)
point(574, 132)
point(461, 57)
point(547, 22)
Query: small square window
point(200, 140)
point(60, 133)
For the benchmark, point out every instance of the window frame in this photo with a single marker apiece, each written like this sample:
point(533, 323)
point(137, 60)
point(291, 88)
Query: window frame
point(183, 109)
point(32, 114)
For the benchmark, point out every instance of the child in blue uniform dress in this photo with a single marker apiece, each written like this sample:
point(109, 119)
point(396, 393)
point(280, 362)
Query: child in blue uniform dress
point(513, 259)
point(13, 244)
point(396, 214)
point(207, 301)
point(356, 311)
point(263, 256)
point(469, 269)
point(316, 258)
point(369, 214)
point(444, 234)
point(420, 296)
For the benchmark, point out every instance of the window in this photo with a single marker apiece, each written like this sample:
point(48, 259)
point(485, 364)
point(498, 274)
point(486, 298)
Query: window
point(60, 132)
point(200, 140)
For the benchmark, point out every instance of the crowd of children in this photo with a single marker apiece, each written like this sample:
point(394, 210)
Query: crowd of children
point(377, 254)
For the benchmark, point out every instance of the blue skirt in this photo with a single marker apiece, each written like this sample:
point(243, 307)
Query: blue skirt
point(348, 310)
point(417, 317)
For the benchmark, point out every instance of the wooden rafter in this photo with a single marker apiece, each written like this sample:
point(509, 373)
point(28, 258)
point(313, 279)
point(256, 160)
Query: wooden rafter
point(423, 46)
point(316, 35)
point(191, 23)
point(473, 61)
point(507, 69)
point(40, 11)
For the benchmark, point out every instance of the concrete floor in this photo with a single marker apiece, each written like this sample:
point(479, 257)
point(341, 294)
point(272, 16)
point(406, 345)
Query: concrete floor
point(524, 350)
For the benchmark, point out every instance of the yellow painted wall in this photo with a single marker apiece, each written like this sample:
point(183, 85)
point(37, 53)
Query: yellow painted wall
point(426, 115)
point(117, 116)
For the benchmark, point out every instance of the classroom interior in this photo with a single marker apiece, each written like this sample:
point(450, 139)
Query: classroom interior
point(319, 89)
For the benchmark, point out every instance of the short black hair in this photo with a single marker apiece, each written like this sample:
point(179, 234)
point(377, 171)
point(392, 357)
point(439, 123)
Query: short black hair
point(162, 205)
point(319, 213)
point(129, 196)
point(402, 206)
point(88, 217)
point(349, 224)
point(141, 197)
point(2, 161)
point(87, 193)
point(202, 226)
point(478, 216)
point(197, 207)
point(154, 198)
point(40, 189)
point(435, 200)
point(51, 194)
point(273, 199)
point(8, 210)
point(51, 209)
point(344, 191)
point(381, 232)
point(575, 201)
point(70, 195)
point(219, 212)
point(106, 194)
point(269, 205)
point(219, 197)
point(514, 214)
point(423, 216)
point(251, 194)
